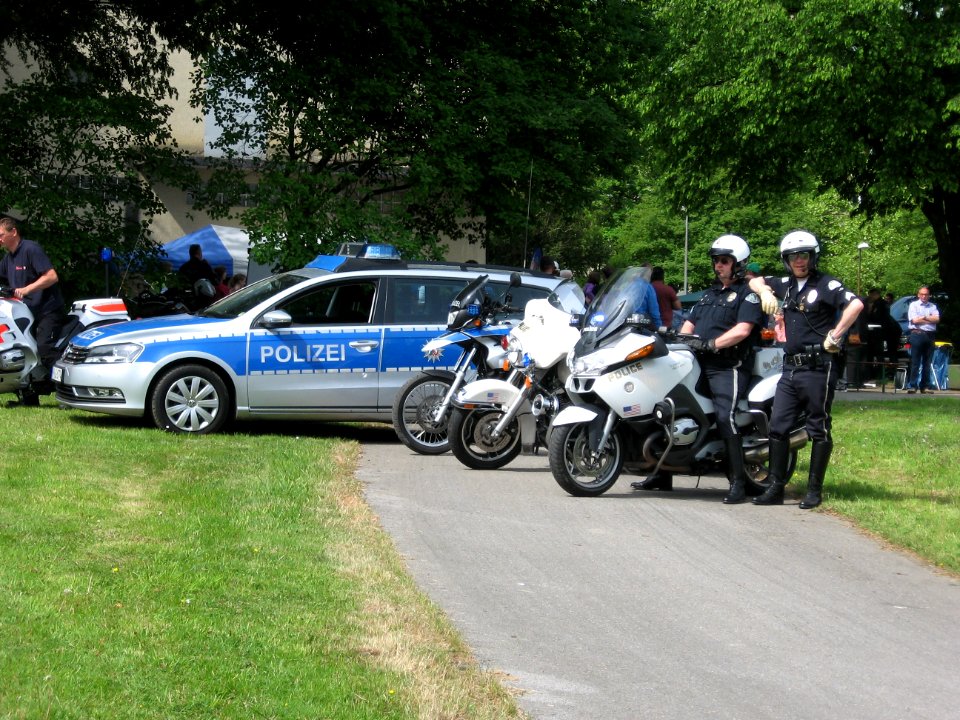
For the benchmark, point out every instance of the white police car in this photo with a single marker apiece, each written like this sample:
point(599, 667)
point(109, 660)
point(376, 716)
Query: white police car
point(311, 344)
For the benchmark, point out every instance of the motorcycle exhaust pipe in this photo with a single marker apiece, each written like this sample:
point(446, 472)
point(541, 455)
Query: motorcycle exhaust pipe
point(798, 438)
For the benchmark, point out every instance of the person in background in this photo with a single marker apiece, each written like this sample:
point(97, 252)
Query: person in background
point(236, 282)
point(882, 331)
point(752, 271)
point(26, 268)
point(592, 286)
point(549, 265)
point(667, 299)
point(220, 287)
point(817, 312)
point(648, 303)
point(923, 316)
point(196, 268)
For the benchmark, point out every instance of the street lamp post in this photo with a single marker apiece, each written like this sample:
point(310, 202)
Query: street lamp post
point(860, 248)
point(686, 247)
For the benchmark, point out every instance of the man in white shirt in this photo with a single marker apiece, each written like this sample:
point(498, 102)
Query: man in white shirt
point(922, 316)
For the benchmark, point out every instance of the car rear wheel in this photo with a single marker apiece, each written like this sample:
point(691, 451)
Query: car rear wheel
point(190, 399)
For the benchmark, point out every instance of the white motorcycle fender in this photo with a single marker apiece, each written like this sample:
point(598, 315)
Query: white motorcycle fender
point(489, 391)
point(572, 415)
point(765, 389)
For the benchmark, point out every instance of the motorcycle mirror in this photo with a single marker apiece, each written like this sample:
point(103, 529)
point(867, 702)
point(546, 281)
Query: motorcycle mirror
point(515, 279)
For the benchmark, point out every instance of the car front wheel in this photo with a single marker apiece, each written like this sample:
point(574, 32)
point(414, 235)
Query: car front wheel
point(190, 399)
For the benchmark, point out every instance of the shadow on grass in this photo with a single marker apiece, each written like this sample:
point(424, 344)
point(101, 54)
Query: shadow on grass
point(855, 490)
point(378, 433)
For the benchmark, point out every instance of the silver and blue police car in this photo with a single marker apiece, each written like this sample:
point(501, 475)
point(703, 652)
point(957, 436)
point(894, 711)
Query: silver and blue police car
point(321, 343)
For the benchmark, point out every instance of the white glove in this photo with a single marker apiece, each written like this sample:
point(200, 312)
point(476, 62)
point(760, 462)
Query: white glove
point(831, 344)
point(768, 301)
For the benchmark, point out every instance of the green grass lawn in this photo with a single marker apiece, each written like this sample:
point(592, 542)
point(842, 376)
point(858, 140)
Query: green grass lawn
point(148, 575)
point(895, 471)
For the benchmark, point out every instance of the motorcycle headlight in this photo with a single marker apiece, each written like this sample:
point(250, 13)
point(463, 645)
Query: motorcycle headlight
point(590, 365)
point(110, 354)
point(514, 352)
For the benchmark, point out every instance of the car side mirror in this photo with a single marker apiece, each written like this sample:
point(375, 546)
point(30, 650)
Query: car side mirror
point(276, 319)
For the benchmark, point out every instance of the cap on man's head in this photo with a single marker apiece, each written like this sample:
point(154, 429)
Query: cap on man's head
point(753, 267)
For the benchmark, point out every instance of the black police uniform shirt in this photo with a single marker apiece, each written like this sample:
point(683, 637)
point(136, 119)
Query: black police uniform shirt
point(22, 267)
point(811, 312)
point(720, 309)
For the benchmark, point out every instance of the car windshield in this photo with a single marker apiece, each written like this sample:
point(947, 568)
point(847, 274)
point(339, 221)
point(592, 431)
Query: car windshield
point(237, 303)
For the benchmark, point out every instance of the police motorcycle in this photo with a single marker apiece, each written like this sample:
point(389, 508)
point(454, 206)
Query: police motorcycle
point(639, 402)
point(493, 419)
point(477, 327)
point(20, 369)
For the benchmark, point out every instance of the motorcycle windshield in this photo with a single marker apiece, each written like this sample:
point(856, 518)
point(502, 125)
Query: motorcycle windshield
point(622, 296)
point(468, 303)
point(568, 296)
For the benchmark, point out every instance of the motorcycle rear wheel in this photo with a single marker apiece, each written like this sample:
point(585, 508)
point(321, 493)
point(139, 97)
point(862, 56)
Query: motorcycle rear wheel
point(413, 412)
point(471, 443)
point(573, 466)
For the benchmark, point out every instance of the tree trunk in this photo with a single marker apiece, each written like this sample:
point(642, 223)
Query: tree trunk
point(943, 213)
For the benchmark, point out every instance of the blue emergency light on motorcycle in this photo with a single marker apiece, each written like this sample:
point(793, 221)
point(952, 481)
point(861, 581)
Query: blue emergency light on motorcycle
point(473, 310)
point(106, 254)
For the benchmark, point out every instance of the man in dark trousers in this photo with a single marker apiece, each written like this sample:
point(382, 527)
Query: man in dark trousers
point(26, 268)
point(817, 311)
point(727, 321)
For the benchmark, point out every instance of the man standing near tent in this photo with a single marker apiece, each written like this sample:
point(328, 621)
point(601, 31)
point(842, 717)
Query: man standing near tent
point(198, 276)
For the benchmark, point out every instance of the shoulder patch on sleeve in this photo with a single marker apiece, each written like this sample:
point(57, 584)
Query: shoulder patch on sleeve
point(752, 298)
point(849, 296)
point(834, 284)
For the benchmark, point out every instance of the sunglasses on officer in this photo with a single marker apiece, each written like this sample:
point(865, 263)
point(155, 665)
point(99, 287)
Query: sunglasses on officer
point(798, 256)
point(723, 260)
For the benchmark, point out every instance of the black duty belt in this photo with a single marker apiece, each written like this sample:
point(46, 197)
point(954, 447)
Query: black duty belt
point(804, 359)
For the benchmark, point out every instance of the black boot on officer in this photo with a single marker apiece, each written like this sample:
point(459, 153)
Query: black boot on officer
point(819, 458)
point(736, 472)
point(657, 481)
point(779, 455)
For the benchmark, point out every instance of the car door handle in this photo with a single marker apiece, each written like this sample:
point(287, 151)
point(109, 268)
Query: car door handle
point(364, 345)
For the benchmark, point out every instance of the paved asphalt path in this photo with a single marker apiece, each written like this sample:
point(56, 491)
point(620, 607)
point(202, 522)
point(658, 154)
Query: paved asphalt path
point(668, 605)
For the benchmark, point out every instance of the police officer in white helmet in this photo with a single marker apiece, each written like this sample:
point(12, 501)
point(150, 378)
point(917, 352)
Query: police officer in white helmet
point(727, 320)
point(817, 311)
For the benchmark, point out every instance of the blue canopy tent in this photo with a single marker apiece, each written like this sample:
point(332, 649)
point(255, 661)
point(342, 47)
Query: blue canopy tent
point(221, 245)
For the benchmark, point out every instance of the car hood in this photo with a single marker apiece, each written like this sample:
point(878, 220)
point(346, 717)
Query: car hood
point(149, 329)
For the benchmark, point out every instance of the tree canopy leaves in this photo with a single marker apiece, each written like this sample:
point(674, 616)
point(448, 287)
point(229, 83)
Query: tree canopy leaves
point(859, 95)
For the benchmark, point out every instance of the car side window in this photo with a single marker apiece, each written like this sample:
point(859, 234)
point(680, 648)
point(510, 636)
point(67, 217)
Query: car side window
point(519, 296)
point(333, 304)
point(422, 300)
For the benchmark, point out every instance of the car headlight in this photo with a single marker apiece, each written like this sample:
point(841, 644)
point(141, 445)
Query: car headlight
point(109, 354)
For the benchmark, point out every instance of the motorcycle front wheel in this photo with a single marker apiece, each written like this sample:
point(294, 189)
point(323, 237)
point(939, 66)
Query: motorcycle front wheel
point(471, 440)
point(413, 415)
point(574, 466)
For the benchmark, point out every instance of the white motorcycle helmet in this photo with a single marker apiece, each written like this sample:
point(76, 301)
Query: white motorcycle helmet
point(799, 241)
point(734, 246)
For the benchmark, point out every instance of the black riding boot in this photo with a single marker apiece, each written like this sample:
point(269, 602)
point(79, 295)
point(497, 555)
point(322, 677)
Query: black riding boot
point(658, 481)
point(819, 457)
point(736, 473)
point(779, 454)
